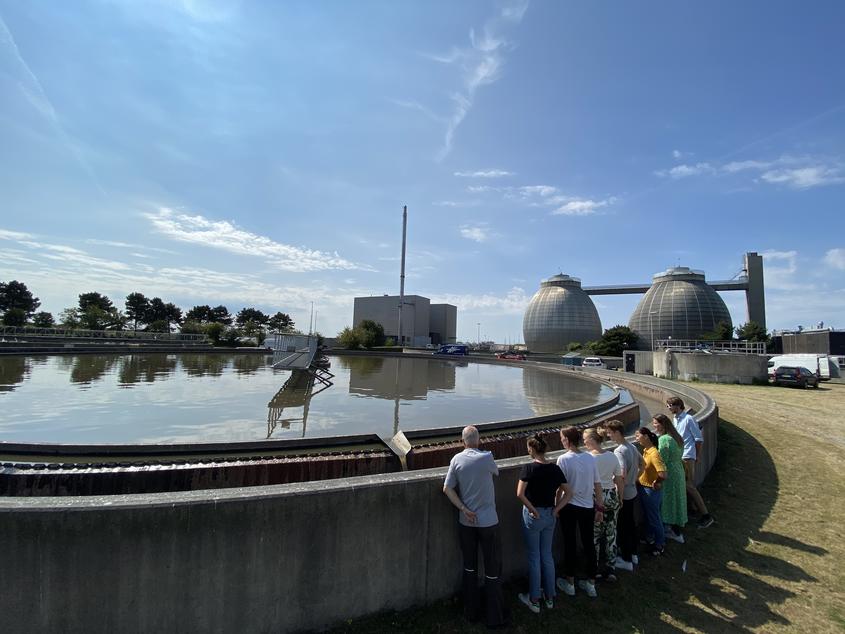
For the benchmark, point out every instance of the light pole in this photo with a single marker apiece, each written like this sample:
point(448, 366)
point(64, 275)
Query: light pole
point(478, 340)
point(651, 327)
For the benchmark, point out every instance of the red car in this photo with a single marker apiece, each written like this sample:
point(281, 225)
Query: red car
point(511, 356)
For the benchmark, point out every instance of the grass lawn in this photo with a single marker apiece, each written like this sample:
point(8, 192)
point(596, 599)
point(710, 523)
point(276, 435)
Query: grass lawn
point(773, 562)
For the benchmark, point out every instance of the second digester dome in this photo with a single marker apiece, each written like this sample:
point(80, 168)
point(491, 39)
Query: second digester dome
point(679, 304)
point(560, 313)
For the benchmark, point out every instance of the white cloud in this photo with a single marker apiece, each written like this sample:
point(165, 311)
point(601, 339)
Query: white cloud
point(835, 259)
point(493, 173)
point(540, 190)
point(224, 235)
point(779, 270)
point(513, 302)
point(455, 203)
point(802, 172)
point(14, 235)
point(582, 207)
point(683, 171)
point(805, 177)
point(477, 233)
point(480, 64)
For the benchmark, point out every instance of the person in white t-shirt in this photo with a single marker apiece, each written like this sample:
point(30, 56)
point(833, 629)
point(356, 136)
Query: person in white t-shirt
point(582, 511)
point(612, 483)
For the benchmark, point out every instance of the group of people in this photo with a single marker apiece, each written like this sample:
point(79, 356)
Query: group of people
point(589, 491)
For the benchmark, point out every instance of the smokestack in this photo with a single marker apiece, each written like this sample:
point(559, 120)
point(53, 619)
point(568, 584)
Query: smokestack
point(402, 270)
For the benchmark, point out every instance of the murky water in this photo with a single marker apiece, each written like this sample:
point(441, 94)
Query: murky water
point(174, 398)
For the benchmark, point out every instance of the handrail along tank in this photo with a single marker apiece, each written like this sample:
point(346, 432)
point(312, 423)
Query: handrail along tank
point(679, 305)
point(560, 313)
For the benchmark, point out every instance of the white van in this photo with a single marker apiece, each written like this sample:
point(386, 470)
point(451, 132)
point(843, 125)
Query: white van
point(819, 364)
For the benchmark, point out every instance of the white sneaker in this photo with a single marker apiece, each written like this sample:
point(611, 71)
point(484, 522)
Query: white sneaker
point(564, 586)
point(588, 587)
point(621, 564)
point(534, 607)
point(675, 537)
point(635, 560)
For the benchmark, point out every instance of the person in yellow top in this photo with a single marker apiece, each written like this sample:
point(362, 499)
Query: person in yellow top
point(649, 488)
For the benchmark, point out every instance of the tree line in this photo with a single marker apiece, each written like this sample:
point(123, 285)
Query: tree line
point(95, 311)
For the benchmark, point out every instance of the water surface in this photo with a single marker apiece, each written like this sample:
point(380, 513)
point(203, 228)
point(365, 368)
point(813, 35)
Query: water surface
point(175, 398)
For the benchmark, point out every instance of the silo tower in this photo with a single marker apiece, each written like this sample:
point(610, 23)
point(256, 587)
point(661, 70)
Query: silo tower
point(679, 305)
point(560, 313)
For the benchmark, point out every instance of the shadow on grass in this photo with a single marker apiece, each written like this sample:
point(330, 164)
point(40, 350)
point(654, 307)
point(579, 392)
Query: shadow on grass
point(712, 583)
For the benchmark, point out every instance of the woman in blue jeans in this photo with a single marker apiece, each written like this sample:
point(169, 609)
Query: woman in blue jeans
point(538, 486)
point(650, 489)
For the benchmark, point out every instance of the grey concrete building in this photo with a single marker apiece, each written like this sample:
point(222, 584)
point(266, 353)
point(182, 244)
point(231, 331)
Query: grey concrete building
point(443, 323)
point(422, 321)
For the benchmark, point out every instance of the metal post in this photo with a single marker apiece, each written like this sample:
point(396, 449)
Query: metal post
point(478, 340)
point(402, 271)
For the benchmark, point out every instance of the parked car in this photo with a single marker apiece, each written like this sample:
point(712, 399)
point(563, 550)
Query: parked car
point(593, 362)
point(791, 375)
point(512, 356)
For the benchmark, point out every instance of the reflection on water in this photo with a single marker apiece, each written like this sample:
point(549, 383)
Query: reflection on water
point(393, 377)
point(167, 398)
point(550, 392)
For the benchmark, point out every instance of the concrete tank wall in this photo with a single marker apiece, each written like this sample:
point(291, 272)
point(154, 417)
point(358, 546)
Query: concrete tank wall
point(745, 369)
point(273, 558)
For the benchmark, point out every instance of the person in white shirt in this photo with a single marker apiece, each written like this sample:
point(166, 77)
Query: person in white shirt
point(581, 512)
point(689, 430)
point(612, 483)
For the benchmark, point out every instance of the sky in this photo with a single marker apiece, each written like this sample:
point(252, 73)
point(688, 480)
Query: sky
point(259, 153)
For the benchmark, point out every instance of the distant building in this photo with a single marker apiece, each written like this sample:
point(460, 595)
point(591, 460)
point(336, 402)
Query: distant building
point(422, 322)
point(822, 341)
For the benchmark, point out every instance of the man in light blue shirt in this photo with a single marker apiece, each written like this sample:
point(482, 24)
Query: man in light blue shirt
point(469, 486)
point(690, 432)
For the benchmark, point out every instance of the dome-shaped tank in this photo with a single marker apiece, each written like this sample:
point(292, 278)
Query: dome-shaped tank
point(680, 305)
point(560, 313)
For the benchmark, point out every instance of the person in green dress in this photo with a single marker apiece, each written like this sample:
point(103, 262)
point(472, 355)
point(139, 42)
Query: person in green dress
point(674, 508)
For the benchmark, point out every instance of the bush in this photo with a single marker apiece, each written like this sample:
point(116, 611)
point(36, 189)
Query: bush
point(214, 331)
point(14, 317)
point(349, 338)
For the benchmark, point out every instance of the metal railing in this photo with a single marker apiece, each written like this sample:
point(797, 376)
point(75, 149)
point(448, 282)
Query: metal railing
point(31, 332)
point(737, 346)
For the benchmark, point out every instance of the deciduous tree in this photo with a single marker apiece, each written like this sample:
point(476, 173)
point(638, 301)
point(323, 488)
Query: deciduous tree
point(15, 294)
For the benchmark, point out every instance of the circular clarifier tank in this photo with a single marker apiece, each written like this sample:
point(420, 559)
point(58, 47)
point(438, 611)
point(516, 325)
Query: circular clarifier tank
point(680, 305)
point(560, 313)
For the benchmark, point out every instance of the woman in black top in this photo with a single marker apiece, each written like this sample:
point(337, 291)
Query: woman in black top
point(540, 482)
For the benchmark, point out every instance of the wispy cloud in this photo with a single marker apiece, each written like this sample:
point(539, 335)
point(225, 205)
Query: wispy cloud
point(477, 233)
point(684, 170)
point(805, 177)
point(485, 174)
point(5, 234)
point(35, 94)
point(126, 245)
point(480, 64)
point(455, 203)
point(582, 207)
point(513, 302)
point(802, 172)
point(226, 236)
point(835, 259)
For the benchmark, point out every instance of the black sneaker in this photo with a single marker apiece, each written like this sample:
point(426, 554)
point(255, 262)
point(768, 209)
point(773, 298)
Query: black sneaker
point(657, 551)
point(706, 521)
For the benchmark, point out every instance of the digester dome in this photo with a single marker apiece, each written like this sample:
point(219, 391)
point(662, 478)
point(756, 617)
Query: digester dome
point(679, 305)
point(560, 313)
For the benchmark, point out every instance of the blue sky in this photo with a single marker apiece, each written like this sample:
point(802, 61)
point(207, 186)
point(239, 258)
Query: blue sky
point(259, 153)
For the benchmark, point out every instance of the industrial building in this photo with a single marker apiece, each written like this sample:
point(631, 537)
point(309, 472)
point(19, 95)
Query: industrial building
point(678, 304)
point(423, 323)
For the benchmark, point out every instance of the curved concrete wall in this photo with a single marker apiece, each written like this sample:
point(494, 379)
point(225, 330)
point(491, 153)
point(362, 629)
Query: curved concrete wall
point(273, 558)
